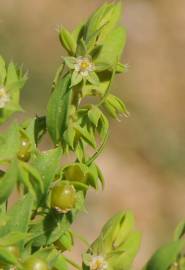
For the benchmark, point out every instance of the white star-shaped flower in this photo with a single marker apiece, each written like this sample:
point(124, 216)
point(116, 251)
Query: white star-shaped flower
point(84, 66)
point(4, 97)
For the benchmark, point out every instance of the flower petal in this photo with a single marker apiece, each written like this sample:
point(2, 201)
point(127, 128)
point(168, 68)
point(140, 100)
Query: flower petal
point(93, 78)
point(76, 78)
point(70, 61)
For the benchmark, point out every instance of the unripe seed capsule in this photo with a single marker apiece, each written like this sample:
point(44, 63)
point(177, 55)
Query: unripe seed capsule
point(34, 263)
point(24, 150)
point(63, 197)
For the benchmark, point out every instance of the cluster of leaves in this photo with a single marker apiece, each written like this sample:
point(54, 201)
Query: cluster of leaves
point(36, 231)
point(12, 80)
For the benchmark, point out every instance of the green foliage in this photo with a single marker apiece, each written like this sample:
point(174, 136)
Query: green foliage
point(58, 109)
point(118, 242)
point(12, 81)
point(165, 256)
point(36, 231)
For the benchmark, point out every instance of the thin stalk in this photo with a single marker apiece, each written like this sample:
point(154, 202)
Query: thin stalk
point(99, 150)
point(75, 265)
point(81, 238)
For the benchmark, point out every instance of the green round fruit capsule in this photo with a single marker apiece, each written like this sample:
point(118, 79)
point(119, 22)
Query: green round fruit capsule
point(63, 197)
point(24, 150)
point(65, 242)
point(76, 172)
point(14, 250)
point(34, 263)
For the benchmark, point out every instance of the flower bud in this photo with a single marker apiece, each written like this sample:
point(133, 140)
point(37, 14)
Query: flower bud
point(116, 230)
point(117, 243)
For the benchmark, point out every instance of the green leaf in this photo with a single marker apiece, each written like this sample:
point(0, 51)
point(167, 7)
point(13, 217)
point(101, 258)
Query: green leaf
point(2, 71)
point(79, 151)
point(94, 115)
point(12, 238)
point(123, 259)
point(13, 81)
point(81, 48)
point(69, 136)
point(92, 176)
point(100, 176)
point(112, 48)
point(58, 109)
point(39, 128)
point(80, 202)
point(67, 41)
point(47, 164)
point(102, 66)
point(103, 126)
point(24, 177)
point(107, 16)
point(11, 74)
point(19, 217)
point(34, 129)
point(34, 173)
point(78, 32)
point(165, 256)
point(111, 18)
point(85, 135)
point(9, 143)
point(47, 231)
point(66, 241)
point(60, 263)
point(180, 230)
point(8, 181)
point(110, 109)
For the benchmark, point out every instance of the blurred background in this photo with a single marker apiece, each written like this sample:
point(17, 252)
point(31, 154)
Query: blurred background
point(144, 161)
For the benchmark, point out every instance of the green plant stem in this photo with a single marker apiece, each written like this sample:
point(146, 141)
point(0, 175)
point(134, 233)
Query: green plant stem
point(81, 238)
point(99, 151)
point(75, 265)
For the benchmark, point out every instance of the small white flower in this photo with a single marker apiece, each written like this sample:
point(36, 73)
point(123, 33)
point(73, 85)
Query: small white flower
point(126, 67)
point(4, 97)
point(98, 263)
point(84, 66)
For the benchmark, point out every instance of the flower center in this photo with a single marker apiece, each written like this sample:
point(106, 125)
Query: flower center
point(98, 263)
point(84, 65)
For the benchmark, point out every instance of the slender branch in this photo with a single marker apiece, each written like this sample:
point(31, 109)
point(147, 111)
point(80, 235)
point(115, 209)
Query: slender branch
point(99, 150)
point(75, 265)
point(81, 238)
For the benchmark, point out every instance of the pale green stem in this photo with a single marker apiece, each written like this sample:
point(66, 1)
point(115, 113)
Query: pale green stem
point(80, 237)
point(99, 150)
point(75, 265)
